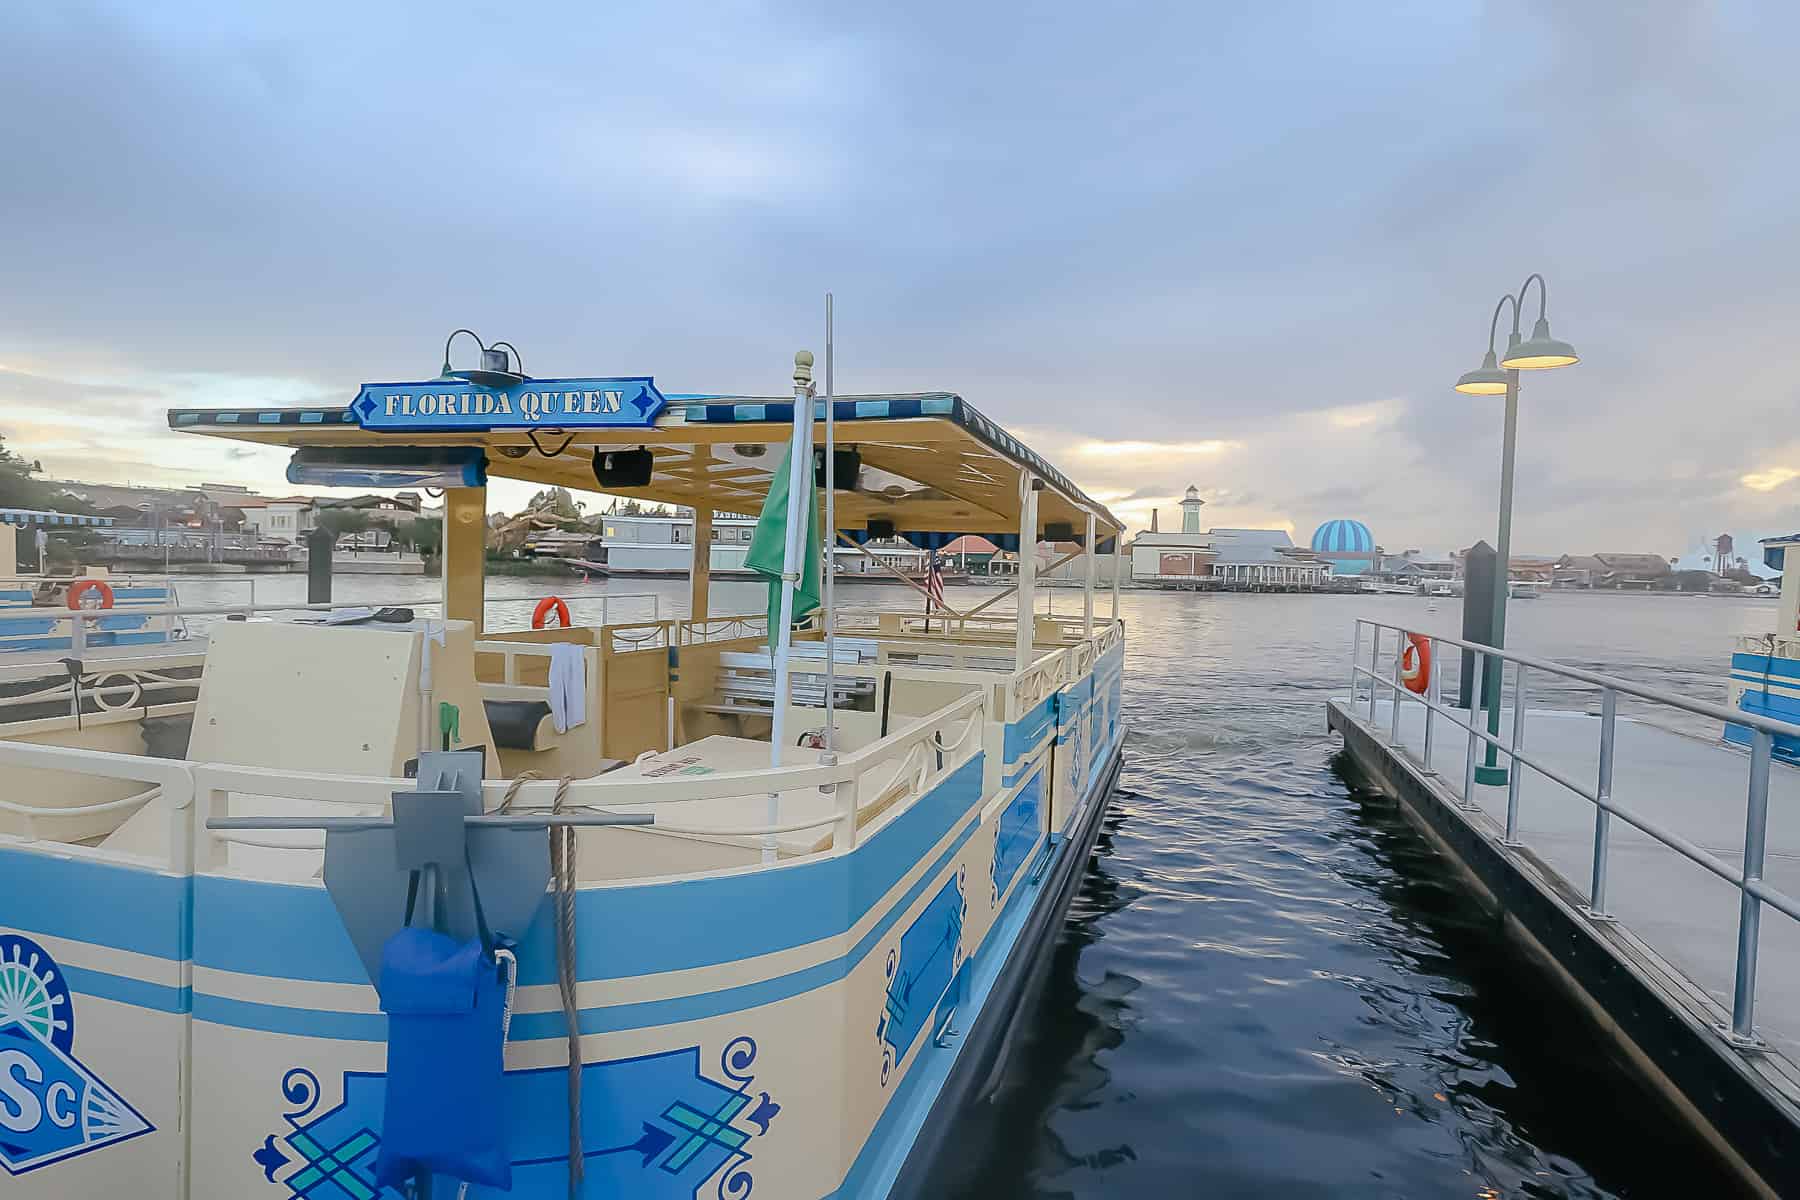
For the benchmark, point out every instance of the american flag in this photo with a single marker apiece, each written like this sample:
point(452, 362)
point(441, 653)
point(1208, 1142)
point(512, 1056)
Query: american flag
point(934, 584)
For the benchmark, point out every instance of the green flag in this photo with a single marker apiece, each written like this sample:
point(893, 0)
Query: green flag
point(768, 545)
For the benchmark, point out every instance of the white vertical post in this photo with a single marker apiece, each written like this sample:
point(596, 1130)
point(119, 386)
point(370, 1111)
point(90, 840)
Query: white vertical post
point(792, 563)
point(1025, 633)
point(1118, 568)
point(1087, 591)
point(828, 560)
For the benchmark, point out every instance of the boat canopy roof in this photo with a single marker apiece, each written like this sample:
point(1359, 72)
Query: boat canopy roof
point(930, 462)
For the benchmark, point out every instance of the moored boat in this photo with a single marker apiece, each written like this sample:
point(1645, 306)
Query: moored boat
point(720, 903)
point(1765, 667)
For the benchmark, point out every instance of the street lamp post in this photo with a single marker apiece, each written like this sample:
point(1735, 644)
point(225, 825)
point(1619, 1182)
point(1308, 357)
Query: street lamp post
point(1538, 352)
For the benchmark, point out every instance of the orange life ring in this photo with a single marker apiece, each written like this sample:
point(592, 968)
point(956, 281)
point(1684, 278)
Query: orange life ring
point(543, 608)
point(83, 587)
point(1415, 664)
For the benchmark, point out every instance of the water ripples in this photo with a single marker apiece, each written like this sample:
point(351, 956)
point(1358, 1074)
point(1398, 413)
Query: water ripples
point(1269, 984)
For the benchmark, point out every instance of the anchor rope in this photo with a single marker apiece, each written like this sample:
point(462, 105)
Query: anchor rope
point(563, 864)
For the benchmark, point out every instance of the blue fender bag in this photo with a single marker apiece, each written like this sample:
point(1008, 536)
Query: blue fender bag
point(444, 1114)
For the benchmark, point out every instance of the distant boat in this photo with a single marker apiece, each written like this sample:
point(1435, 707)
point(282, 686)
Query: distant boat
point(1523, 590)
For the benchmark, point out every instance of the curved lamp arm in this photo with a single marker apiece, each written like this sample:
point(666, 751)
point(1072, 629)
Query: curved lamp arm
point(452, 338)
point(1543, 296)
point(1494, 322)
point(514, 351)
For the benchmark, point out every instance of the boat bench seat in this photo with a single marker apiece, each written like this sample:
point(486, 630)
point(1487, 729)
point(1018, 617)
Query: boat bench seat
point(521, 724)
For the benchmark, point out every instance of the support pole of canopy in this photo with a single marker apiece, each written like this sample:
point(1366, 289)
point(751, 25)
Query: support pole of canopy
point(792, 563)
point(465, 554)
point(700, 573)
point(1118, 568)
point(828, 563)
point(1025, 632)
point(999, 596)
point(1087, 588)
point(903, 577)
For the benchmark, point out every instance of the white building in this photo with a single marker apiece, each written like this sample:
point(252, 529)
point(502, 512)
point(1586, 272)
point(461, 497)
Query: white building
point(1221, 558)
point(645, 545)
point(279, 518)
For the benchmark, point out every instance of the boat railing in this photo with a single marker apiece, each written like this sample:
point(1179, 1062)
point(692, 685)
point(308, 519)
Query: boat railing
point(1754, 892)
point(1770, 645)
point(199, 797)
point(119, 688)
point(82, 622)
point(880, 777)
point(169, 780)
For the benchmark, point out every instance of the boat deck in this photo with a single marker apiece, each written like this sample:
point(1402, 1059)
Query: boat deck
point(1680, 912)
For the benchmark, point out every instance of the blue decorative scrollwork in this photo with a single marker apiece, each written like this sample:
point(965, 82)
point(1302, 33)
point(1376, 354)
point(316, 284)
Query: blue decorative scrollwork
point(666, 1130)
point(920, 971)
point(300, 1087)
point(736, 1058)
point(735, 1183)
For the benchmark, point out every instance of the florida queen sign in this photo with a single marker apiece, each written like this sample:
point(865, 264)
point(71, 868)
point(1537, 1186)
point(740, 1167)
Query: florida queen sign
point(452, 404)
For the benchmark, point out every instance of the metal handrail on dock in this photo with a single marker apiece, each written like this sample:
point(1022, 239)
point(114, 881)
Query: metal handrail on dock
point(1753, 891)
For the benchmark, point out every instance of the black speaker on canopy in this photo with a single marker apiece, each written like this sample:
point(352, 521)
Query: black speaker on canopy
point(1059, 531)
point(623, 468)
point(879, 529)
point(846, 467)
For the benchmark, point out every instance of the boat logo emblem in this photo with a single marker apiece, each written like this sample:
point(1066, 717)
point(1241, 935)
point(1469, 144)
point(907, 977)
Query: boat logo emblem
point(51, 1106)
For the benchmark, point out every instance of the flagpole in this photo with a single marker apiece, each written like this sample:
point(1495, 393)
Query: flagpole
point(830, 563)
point(792, 564)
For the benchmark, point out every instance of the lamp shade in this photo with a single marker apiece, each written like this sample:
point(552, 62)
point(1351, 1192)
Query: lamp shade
point(1485, 380)
point(1540, 351)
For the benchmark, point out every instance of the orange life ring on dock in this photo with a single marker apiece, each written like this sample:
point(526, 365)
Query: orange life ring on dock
point(83, 587)
point(542, 611)
point(1415, 664)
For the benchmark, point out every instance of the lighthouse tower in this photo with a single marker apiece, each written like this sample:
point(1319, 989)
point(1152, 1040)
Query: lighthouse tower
point(1190, 510)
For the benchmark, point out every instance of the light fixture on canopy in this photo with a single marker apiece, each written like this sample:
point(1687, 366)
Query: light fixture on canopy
point(497, 370)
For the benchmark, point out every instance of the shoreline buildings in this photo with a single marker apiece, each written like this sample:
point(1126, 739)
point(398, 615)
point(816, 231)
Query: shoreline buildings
point(1222, 559)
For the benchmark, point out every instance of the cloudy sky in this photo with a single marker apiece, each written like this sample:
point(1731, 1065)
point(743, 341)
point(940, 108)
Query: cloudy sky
point(1248, 247)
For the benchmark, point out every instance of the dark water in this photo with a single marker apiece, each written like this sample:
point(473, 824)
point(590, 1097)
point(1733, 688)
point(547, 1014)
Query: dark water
point(1268, 984)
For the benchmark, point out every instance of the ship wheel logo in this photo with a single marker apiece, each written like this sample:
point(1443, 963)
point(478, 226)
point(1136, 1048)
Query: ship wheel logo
point(33, 994)
point(52, 1107)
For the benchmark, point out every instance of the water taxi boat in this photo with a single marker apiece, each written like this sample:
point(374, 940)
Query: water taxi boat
point(1765, 667)
point(343, 904)
point(92, 590)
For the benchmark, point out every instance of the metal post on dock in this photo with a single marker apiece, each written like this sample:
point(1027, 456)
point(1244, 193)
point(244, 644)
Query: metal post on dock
point(1609, 708)
point(1434, 681)
point(1756, 831)
point(1374, 661)
point(1394, 695)
point(1468, 790)
point(1518, 738)
point(1355, 661)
